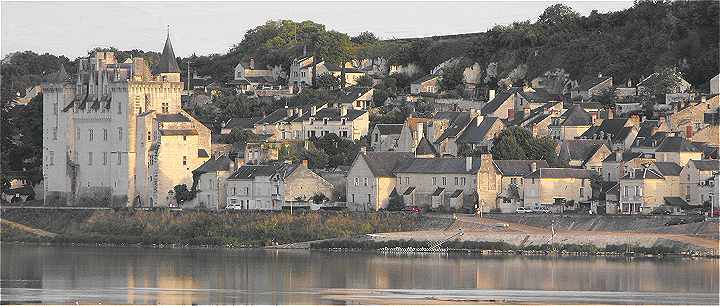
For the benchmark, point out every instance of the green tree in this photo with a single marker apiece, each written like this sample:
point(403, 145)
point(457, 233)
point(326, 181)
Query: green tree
point(396, 202)
point(365, 81)
point(327, 81)
point(182, 194)
point(518, 143)
point(452, 78)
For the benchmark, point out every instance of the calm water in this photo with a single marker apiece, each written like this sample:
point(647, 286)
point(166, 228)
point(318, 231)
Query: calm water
point(46, 274)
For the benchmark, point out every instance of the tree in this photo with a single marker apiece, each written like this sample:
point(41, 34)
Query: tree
point(182, 194)
point(396, 202)
point(319, 198)
point(365, 81)
point(518, 143)
point(327, 81)
point(452, 78)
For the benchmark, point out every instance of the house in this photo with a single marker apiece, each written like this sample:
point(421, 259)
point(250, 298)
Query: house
point(239, 124)
point(352, 75)
point(386, 137)
point(500, 186)
point(571, 124)
point(425, 149)
point(274, 186)
point(648, 82)
point(678, 150)
point(690, 117)
point(426, 84)
point(591, 87)
point(449, 125)
point(671, 172)
point(210, 182)
point(416, 130)
point(371, 179)
point(708, 191)
point(584, 153)
point(619, 132)
point(252, 69)
point(500, 106)
point(538, 120)
point(616, 164)
point(478, 135)
point(692, 177)
point(356, 98)
point(557, 188)
point(641, 191)
point(438, 183)
point(268, 151)
point(314, 121)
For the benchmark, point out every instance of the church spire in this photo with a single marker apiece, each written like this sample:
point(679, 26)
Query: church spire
point(168, 63)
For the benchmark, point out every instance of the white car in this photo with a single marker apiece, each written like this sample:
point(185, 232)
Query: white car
point(233, 207)
point(541, 210)
point(523, 210)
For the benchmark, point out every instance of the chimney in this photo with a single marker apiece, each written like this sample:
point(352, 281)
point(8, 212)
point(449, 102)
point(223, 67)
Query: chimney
point(478, 120)
point(689, 132)
point(305, 162)
point(299, 111)
point(252, 63)
point(485, 159)
point(363, 150)
point(313, 110)
point(533, 167)
point(594, 116)
point(491, 94)
point(343, 111)
point(599, 75)
point(618, 156)
point(511, 114)
point(290, 112)
point(468, 163)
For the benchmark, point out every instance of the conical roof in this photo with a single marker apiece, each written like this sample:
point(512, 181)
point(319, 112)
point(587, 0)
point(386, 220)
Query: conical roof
point(424, 147)
point(168, 63)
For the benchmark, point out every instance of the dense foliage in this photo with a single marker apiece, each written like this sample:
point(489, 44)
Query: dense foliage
point(518, 143)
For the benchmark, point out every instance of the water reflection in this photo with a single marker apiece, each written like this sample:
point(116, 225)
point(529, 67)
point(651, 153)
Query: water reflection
point(167, 276)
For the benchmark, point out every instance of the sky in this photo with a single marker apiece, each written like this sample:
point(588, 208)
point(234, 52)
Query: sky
point(73, 28)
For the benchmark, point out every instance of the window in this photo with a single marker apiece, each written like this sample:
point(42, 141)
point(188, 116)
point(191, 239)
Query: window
point(90, 156)
point(627, 191)
point(434, 181)
point(184, 161)
point(90, 135)
point(119, 161)
point(119, 108)
point(513, 181)
point(149, 135)
point(638, 191)
point(247, 190)
point(234, 191)
point(444, 181)
point(120, 135)
point(55, 108)
point(51, 157)
point(184, 138)
point(463, 180)
point(104, 134)
point(357, 181)
point(105, 158)
point(369, 200)
point(582, 192)
point(165, 107)
point(77, 133)
point(457, 181)
point(365, 181)
point(407, 180)
point(55, 133)
point(344, 134)
point(342, 121)
point(325, 120)
point(353, 198)
point(376, 137)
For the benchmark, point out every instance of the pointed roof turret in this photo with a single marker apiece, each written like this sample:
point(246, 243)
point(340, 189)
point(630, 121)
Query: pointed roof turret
point(168, 63)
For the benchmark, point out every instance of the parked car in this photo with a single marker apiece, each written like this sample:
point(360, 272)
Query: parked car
point(541, 210)
point(233, 207)
point(412, 209)
point(523, 210)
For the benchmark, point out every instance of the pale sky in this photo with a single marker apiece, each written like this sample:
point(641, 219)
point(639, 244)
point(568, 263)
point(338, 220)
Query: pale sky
point(73, 28)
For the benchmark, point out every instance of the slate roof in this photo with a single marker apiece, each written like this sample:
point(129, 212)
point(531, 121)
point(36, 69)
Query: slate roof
point(425, 79)
point(349, 96)
point(644, 173)
point(458, 121)
point(476, 134)
point(590, 83)
point(439, 165)
point(706, 164)
point(456, 193)
point(492, 105)
point(615, 128)
point(172, 118)
point(221, 163)
point(677, 202)
point(382, 164)
point(167, 62)
point(424, 147)
point(389, 129)
point(577, 116)
point(668, 168)
point(579, 149)
point(203, 153)
point(241, 123)
point(260, 79)
point(561, 173)
point(172, 132)
point(677, 144)
point(438, 191)
point(249, 172)
point(626, 156)
point(518, 167)
point(332, 114)
point(539, 95)
point(409, 190)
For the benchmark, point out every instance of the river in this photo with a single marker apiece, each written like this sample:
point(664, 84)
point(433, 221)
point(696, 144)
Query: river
point(65, 274)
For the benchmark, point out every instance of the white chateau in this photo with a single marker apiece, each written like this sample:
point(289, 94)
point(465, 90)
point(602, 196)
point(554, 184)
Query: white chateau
point(117, 135)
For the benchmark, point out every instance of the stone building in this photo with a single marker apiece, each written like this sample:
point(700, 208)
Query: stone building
point(314, 121)
point(117, 135)
point(558, 188)
point(371, 179)
point(438, 182)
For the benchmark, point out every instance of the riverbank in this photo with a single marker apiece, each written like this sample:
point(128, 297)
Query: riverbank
point(200, 228)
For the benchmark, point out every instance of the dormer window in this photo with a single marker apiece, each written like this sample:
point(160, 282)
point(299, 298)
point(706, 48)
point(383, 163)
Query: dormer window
point(342, 121)
point(325, 121)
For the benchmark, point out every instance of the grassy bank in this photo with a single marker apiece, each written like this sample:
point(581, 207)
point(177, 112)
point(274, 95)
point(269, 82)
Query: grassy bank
point(243, 229)
point(482, 246)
